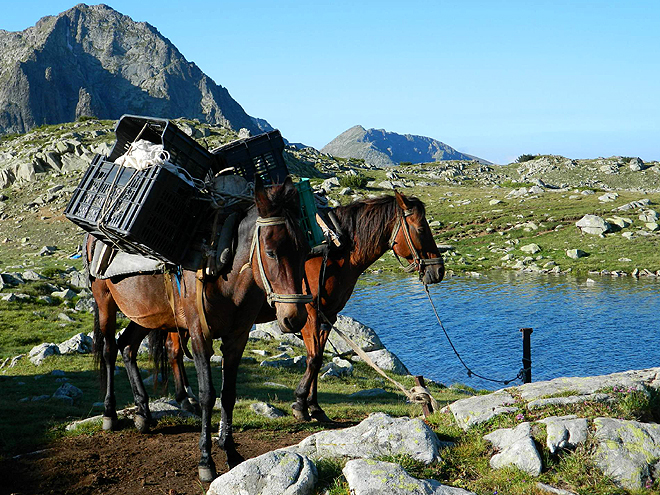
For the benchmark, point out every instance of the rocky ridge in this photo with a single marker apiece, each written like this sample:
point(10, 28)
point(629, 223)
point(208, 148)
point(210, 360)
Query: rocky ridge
point(382, 148)
point(60, 69)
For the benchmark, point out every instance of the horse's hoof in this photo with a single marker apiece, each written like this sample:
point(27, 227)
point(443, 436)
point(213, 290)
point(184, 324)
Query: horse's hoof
point(109, 423)
point(191, 407)
point(234, 459)
point(300, 415)
point(141, 423)
point(320, 416)
point(207, 473)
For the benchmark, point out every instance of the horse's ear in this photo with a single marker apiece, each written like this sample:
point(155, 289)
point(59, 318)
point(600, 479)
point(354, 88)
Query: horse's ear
point(288, 183)
point(401, 200)
point(260, 197)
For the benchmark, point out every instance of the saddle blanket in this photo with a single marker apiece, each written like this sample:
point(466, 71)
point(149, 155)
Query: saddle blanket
point(122, 263)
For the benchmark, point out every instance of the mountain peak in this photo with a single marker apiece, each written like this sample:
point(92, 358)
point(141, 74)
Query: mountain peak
point(96, 61)
point(384, 148)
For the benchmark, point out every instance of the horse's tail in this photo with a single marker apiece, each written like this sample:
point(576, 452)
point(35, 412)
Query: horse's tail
point(157, 346)
point(99, 344)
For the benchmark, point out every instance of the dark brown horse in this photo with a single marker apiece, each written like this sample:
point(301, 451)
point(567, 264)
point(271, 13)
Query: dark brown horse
point(369, 229)
point(268, 265)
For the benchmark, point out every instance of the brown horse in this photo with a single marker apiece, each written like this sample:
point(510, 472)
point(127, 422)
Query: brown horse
point(268, 265)
point(369, 229)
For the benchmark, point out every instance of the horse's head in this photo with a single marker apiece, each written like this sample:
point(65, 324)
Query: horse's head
point(412, 239)
point(281, 250)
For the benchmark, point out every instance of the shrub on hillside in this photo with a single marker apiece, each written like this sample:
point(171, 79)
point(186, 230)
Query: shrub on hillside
point(358, 181)
point(525, 158)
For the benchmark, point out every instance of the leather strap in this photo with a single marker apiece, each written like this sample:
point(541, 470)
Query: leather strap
point(199, 289)
point(255, 248)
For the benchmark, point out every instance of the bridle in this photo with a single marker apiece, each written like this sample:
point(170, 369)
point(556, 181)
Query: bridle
point(418, 263)
point(271, 296)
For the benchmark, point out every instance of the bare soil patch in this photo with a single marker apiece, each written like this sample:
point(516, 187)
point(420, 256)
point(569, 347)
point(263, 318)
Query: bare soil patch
point(127, 462)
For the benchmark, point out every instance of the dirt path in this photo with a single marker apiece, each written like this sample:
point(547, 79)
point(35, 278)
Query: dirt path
point(126, 462)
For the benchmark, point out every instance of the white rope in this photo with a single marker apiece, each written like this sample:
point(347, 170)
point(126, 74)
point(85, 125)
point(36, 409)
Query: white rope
point(417, 395)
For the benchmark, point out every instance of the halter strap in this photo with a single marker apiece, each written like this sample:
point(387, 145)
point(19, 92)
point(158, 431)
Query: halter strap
point(255, 247)
point(418, 263)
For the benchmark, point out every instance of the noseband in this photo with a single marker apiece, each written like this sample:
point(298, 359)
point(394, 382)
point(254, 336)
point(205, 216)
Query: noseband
point(418, 263)
point(271, 296)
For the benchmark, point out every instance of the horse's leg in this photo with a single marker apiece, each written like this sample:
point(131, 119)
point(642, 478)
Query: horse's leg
point(311, 333)
point(315, 411)
point(232, 350)
point(183, 392)
point(129, 343)
point(105, 348)
point(202, 357)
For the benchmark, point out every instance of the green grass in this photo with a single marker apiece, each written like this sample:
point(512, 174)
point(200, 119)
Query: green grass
point(26, 324)
point(28, 425)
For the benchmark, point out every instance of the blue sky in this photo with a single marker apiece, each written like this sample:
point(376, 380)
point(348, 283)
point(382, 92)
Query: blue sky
point(495, 79)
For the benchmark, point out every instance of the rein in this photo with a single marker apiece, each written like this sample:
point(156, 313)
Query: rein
point(418, 263)
point(271, 296)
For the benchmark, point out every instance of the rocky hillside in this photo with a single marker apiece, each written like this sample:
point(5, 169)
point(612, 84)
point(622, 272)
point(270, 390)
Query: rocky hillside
point(94, 61)
point(382, 148)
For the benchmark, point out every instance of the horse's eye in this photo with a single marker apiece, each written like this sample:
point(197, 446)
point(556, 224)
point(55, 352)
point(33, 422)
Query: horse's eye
point(271, 254)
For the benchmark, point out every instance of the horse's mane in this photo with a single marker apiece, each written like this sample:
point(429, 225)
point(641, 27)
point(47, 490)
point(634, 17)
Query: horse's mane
point(365, 220)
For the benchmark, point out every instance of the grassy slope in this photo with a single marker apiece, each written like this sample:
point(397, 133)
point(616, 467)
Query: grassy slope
point(480, 233)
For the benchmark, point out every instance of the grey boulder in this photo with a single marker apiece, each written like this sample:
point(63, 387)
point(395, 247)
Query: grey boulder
point(565, 432)
point(273, 473)
point(627, 450)
point(78, 344)
point(387, 361)
point(516, 448)
point(593, 224)
point(378, 435)
point(42, 351)
point(365, 337)
point(267, 410)
point(369, 477)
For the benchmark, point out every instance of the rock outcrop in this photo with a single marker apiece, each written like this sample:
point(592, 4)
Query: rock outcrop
point(94, 61)
point(381, 148)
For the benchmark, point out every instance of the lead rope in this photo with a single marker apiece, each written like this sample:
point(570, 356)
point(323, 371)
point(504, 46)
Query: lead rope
point(470, 373)
point(417, 395)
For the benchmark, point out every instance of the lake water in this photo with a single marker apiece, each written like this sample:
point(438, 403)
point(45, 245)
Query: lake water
point(579, 328)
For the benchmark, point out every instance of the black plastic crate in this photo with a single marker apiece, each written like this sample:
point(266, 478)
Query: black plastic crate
point(258, 155)
point(184, 151)
point(151, 212)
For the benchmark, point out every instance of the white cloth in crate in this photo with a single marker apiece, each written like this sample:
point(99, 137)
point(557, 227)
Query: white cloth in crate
point(143, 154)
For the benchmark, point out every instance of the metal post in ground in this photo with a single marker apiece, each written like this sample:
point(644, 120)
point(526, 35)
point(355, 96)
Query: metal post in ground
point(527, 355)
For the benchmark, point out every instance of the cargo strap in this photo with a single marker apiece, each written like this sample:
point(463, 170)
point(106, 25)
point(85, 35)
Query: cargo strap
point(199, 289)
point(271, 296)
point(418, 263)
point(169, 289)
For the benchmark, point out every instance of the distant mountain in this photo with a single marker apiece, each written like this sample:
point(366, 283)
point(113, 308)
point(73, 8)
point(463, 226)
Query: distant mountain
point(94, 61)
point(382, 148)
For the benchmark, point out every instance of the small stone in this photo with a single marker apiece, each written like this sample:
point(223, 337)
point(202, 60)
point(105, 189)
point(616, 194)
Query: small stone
point(267, 410)
point(531, 248)
point(575, 253)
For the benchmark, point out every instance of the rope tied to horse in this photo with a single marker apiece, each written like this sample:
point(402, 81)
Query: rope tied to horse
point(417, 395)
point(519, 376)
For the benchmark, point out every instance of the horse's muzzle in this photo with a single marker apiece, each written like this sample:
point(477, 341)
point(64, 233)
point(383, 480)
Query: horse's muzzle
point(433, 273)
point(291, 317)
